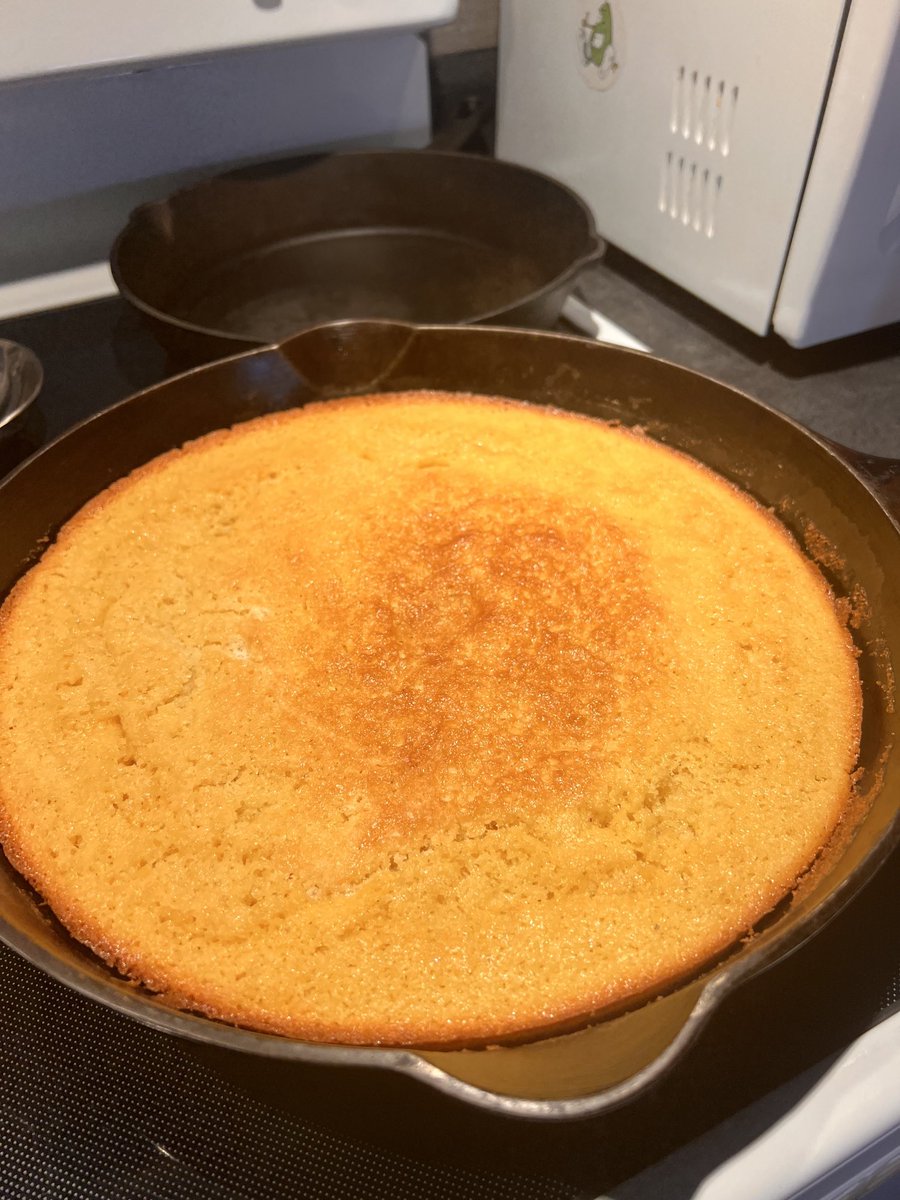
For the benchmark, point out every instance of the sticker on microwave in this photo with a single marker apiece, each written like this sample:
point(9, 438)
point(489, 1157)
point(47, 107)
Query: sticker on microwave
point(600, 43)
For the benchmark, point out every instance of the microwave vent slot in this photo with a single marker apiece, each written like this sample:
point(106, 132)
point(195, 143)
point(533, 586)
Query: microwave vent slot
point(703, 109)
point(689, 193)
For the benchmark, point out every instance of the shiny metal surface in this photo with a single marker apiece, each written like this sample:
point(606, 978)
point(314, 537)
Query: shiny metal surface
point(21, 376)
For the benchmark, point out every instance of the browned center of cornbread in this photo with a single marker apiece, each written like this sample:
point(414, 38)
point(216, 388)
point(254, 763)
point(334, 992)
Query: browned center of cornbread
point(420, 719)
point(488, 649)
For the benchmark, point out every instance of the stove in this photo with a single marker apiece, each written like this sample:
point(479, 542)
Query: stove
point(792, 1089)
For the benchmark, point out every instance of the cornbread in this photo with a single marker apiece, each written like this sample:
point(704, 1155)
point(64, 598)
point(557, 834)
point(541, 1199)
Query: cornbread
point(420, 719)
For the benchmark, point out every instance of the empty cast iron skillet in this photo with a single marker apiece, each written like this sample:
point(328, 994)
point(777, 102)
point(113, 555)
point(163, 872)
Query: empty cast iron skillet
point(253, 256)
point(826, 505)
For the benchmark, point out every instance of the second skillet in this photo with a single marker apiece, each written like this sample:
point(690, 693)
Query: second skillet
point(822, 501)
point(255, 255)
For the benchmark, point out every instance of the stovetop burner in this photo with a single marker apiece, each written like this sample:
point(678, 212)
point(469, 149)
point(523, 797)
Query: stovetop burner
point(94, 1104)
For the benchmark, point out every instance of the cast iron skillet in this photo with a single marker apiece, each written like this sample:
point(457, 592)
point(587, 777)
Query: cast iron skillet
point(253, 256)
point(829, 508)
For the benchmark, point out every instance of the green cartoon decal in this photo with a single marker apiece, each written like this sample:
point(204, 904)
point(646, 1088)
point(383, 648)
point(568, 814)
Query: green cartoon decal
point(597, 35)
point(597, 38)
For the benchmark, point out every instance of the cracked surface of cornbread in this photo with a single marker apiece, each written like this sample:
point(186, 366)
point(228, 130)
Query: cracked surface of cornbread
point(420, 719)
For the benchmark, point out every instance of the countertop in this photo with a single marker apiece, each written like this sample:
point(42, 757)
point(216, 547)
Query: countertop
point(847, 390)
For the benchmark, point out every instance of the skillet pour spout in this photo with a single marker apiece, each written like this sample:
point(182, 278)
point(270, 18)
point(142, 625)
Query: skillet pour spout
point(822, 500)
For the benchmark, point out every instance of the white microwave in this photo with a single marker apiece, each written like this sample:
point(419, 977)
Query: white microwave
point(749, 152)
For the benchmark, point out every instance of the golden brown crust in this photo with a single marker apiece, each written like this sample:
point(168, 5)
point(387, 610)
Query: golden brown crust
point(420, 720)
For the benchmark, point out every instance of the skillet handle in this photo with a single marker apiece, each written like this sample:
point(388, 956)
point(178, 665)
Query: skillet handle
point(882, 473)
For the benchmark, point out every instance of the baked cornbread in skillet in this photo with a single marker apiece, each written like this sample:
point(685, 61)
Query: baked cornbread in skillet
point(420, 719)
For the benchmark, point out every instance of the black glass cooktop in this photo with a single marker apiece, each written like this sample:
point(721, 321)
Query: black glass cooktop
point(95, 1105)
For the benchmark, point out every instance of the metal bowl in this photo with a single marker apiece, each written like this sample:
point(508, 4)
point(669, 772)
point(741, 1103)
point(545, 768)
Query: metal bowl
point(21, 379)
